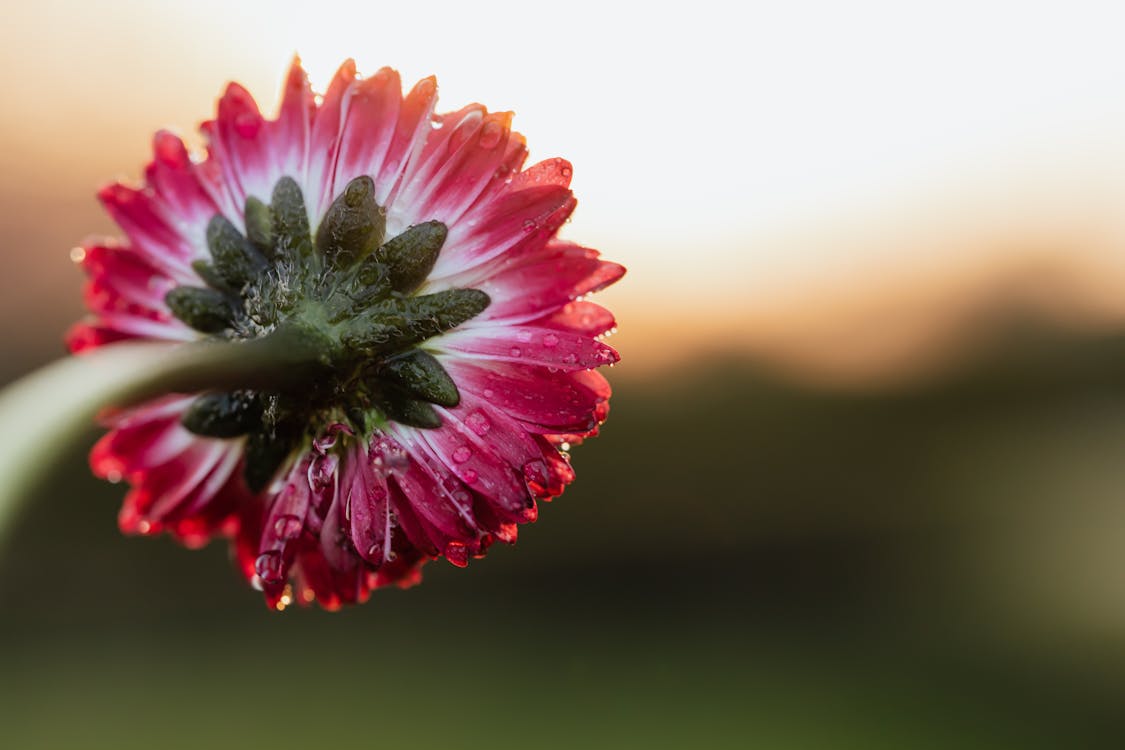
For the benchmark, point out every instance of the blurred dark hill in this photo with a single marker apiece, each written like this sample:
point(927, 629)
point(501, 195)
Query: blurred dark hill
point(931, 565)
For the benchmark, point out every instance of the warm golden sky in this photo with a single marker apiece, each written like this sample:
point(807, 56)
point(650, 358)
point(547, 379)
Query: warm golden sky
point(759, 168)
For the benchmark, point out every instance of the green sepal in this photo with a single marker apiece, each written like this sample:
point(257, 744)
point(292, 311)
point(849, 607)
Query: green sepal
point(353, 225)
point(265, 452)
point(223, 415)
point(210, 276)
point(205, 310)
point(409, 257)
point(420, 374)
point(259, 225)
point(237, 261)
point(409, 411)
point(290, 220)
point(400, 322)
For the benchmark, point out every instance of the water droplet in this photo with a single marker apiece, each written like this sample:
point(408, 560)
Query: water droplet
point(462, 454)
point(490, 135)
point(515, 351)
point(488, 393)
point(457, 553)
point(247, 124)
point(144, 526)
point(566, 172)
point(570, 359)
point(524, 336)
point(77, 254)
point(528, 225)
point(535, 472)
point(478, 423)
point(113, 476)
point(469, 476)
point(287, 527)
point(268, 567)
point(564, 447)
point(550, 341)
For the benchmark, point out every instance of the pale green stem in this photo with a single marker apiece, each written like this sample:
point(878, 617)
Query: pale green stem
point(44, 413)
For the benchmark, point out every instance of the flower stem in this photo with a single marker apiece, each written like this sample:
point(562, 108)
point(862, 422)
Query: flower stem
point(44, 413)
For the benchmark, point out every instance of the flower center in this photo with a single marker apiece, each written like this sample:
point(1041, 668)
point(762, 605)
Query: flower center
point(344, 306)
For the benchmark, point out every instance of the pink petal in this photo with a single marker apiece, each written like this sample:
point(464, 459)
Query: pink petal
point(283, 525)
point(185, 189)
point(477, 464)
point(368, 506)
point(529, 345)
point(581, 317)
point(546, 401)
point(441, 502)
point(516, 224)
point(326, 135)
point(459, 161)
point(289, 133)
point(370, 115)
point(544, 284)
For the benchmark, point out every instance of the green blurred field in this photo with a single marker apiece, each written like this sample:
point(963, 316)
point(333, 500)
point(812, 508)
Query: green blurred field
point(743, 562)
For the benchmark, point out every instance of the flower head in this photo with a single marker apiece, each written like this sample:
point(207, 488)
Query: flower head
point(430, 354)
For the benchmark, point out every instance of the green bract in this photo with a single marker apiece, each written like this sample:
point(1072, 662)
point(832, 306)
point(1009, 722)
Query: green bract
point(345, 302)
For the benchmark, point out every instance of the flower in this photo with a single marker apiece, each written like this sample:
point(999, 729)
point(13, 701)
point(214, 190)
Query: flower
point(428, 354)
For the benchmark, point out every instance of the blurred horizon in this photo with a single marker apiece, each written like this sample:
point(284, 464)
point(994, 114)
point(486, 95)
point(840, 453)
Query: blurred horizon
point(840, 259)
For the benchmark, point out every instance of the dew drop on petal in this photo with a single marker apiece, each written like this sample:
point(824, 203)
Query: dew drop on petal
point(77, 254)
point(515, 351)
point(247, 124)
point(457, 553)
point(490, 135)
point(268, 567)
point(462, 454)
point(478, 423)
point(469, 476)
point(287, 527)
point(550, 341)
point(535, 471)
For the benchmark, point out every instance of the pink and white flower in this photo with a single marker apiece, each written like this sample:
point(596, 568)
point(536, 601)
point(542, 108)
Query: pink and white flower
point(408, 265)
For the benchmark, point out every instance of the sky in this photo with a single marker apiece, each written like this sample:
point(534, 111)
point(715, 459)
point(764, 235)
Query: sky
point(747, 162)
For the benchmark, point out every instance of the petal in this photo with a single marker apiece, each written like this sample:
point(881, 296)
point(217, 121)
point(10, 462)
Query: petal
point(580, 317)
point(368, 506)
point(515, 224)
point(240, 145)
point(183, 187)
point(546, 401)
point(440, 502)
point(459, 161)
point(546, 283)
point(477, 464)
point(289, 133)
point(370, 117)
point(325, 139)
point(530, 345)
point(142, 216)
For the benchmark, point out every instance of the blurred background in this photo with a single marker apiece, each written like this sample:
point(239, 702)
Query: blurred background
point(863, 484)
